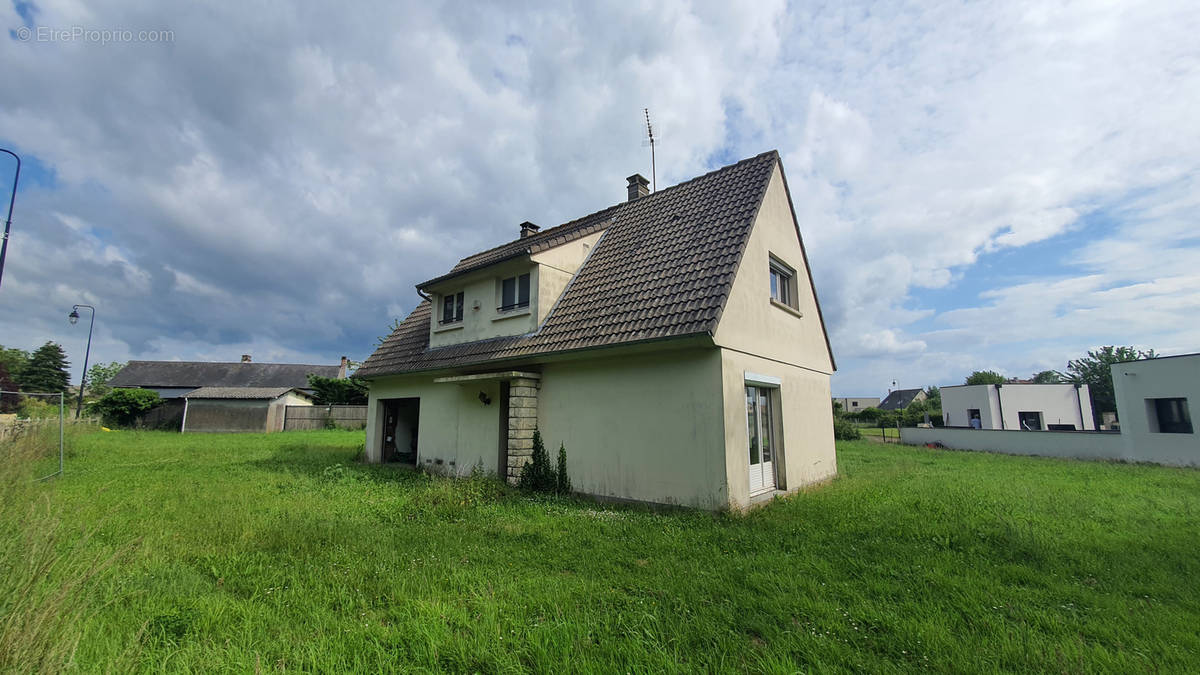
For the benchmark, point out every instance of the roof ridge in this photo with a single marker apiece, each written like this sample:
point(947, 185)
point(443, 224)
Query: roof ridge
point(233, 363)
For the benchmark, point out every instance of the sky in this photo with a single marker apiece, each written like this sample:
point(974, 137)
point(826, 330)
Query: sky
point(979, 185)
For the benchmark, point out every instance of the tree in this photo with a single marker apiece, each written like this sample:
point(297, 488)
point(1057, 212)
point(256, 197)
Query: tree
point(933, 395)
point(123, 407)
point(1047, 377)
point(391, 329)
point(46, 370)
point(985, 377)
point(1094, 371)
point(99, 375)
point(8, 402)
point(14, 360)
point(337, 391)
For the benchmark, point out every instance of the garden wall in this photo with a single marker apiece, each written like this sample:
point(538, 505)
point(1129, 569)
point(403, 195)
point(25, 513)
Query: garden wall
point(1064, 444)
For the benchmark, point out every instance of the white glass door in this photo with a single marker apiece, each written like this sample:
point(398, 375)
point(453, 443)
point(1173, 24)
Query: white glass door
point(761, 437)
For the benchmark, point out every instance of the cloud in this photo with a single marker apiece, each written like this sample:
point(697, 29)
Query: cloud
point(277, 179)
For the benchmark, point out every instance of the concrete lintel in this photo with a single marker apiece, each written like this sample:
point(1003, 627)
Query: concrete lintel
point(502, 375)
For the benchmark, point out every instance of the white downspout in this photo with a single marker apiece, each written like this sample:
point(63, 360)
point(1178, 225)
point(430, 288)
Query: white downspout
point(183, 425)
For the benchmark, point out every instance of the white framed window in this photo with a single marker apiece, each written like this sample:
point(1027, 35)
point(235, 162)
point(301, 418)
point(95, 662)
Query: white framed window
point(514, 292)
point(452, 308)
point(783, 283)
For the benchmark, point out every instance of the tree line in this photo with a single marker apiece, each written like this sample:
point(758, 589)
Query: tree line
point(44, 370)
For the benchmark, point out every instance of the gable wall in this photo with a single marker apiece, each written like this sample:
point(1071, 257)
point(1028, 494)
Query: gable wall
point(750, 322)
point(806, 453)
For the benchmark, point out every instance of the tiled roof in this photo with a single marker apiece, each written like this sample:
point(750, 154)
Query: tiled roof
point(662, 269)
point(555, 236)
point(899, 399)
point(205, 374)
point(252, 393)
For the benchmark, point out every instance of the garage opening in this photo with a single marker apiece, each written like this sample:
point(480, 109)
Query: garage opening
point(400, 419)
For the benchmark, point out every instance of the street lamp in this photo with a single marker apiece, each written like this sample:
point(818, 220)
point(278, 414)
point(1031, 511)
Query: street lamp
point(73, 317)
point(11, 200)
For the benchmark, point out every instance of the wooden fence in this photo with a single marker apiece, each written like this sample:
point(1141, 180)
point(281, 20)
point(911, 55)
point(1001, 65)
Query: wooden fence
point(309, 417)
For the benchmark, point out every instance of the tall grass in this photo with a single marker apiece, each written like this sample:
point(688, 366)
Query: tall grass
point(46, 566)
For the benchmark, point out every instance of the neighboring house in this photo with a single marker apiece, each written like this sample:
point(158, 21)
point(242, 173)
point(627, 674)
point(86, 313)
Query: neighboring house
point(1156, 399)
point(173, 379)
point(1020, 407)
point(1156, 402)
point(672, 343)
point(901, 399)
point(857, 403)
point(230, 409)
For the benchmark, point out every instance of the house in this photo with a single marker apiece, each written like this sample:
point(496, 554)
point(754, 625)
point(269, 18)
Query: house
point(1156, 399)
point(672, 343)
point(208, 396)
point(901, 399)
point(231, 409)
point(857, 403)
point(173, 379)
point(1024, 407)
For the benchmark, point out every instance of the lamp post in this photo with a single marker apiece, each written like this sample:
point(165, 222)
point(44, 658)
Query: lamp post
point(11, 201)
point(73, 317)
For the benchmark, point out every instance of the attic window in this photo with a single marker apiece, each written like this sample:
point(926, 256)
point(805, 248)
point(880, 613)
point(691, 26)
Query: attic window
point(783, 284)
point(452, 308)
point(514, 292)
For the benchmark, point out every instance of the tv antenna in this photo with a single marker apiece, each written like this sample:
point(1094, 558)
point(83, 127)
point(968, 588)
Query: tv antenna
point(650, 133)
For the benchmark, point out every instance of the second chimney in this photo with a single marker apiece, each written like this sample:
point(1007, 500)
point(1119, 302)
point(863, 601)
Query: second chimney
point(638, 186)
point(342, 368)
point(528, 229)
point(245, 358)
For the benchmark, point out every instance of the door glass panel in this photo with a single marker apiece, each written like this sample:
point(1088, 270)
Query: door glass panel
point(764, 412)
point(752, 424)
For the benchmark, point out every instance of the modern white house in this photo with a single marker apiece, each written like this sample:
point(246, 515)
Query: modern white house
point(1156, 399)
point(672, 343)
point(1019, 407)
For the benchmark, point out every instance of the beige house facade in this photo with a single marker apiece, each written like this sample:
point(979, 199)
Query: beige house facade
point(673, 344)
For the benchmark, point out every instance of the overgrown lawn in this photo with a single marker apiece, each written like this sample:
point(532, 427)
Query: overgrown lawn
point(244, 552)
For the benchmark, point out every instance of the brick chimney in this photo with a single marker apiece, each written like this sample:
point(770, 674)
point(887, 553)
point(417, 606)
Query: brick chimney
point(528, 229)
point(245, 358)
point(342, 368)
point(638, 186)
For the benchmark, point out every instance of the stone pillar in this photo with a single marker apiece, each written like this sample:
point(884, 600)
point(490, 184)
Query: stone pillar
point(522, 420)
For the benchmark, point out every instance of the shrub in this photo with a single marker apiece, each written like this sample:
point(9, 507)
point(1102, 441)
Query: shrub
point(844, 430)
point(123, 407)
point(563, 483)
point(537, 475)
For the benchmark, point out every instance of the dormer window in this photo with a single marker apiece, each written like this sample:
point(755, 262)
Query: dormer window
point(514, 292)
point(452, 308)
